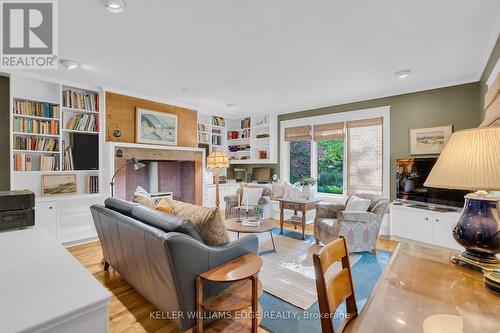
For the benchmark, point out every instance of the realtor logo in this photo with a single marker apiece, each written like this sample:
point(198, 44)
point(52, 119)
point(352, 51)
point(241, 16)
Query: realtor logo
point(29, 34)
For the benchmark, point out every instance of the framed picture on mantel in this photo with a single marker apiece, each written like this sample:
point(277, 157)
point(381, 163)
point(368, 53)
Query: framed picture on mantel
point(155, 127)
point(430, 140)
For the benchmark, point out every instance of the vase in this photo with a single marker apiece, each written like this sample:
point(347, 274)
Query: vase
point(307, 192)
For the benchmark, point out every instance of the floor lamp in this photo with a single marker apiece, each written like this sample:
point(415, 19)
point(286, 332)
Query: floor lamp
point(136, 165)
point(217, 160)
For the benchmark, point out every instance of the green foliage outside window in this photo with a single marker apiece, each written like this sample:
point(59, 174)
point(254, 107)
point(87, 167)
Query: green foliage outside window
point(331, 166)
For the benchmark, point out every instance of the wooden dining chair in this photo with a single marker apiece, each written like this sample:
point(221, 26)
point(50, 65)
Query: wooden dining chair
point(336, 290)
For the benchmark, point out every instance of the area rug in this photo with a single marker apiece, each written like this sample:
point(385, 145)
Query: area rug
point(281, 316)
point(289, 273)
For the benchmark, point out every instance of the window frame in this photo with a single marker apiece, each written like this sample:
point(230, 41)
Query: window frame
point(383, 112)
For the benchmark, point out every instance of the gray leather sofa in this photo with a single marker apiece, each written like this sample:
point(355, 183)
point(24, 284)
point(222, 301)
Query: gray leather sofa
point(160, 255)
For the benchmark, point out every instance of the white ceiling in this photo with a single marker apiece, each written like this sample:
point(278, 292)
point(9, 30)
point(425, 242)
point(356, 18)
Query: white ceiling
point(275, 55)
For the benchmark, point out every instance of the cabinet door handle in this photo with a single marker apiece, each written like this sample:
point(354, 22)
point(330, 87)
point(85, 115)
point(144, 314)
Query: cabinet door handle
point(437, 220)
point(427, 219)
point(50, 207)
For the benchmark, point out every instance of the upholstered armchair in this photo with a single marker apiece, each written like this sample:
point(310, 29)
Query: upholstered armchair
point(360, 229)
point(232, 201)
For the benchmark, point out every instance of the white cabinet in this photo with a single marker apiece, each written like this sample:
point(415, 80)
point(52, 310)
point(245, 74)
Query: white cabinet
point(224, 190)
point(424, 226)
point(46, 216)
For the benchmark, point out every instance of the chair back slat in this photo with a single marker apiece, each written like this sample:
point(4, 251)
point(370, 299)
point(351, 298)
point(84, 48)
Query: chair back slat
point(339, 288)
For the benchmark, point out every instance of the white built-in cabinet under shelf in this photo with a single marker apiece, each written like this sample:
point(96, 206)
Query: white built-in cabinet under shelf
point(424, 226)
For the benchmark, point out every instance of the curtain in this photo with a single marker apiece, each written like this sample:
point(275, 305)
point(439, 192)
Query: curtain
point(365, 156)
point(332, 131)
point(299, 133)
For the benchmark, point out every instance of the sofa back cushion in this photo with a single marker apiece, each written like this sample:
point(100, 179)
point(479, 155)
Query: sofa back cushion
point(121, 206)
point(165, 222)
point(208, 221)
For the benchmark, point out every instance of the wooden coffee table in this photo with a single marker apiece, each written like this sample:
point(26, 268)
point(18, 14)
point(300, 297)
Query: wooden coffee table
point(266, 225)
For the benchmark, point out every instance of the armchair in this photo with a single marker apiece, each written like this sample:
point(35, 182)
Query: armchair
point(360, 229)
point(233, 201)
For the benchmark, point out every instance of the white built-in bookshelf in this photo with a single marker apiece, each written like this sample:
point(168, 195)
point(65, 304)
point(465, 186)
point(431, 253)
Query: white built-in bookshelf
point(58, 119)
point(247, 140)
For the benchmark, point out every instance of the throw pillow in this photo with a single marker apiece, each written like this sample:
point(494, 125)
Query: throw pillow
point(251, 196)
point(278, 190)
point(357, 204)
point(292, 192)
point(208, 221)
point(142, 196)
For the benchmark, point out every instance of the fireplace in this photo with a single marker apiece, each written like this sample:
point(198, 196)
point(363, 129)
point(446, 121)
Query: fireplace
point(167, 170)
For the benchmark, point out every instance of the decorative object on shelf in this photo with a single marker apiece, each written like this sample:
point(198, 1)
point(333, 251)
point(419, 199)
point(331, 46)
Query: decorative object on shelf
point(55, 184)
point(156, 127)
point(308, 188)
point(470, 161)
point(217, 160)
point(218, 121)
point(133, 161)
point(245, 123)
point(430, 140)
point(92, 184)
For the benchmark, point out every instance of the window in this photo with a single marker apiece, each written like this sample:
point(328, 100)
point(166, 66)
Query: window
point(330, 166)
point(300, 160)
point(344, 157)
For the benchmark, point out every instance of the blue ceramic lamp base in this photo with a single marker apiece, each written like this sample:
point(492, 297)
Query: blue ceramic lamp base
point(478, 229)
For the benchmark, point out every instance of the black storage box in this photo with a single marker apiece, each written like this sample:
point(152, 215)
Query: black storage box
point(17, 209)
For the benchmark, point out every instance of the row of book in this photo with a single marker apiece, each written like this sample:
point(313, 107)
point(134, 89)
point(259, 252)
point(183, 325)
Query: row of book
point(34, 126)
point(203, 137)
point(68, 163)
point(202, 128)
point(217, 140)
point(37, 109)
point(218, 121)
point(38, 144)
point(80, 100)
point(24, 162)
point(92, 184)
point(83, 122)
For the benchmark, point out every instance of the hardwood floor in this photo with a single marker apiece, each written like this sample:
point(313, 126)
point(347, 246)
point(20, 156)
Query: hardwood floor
point(129, 312)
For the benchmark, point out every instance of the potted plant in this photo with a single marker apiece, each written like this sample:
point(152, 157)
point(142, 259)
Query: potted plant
point(308, 187)
point(258, 211)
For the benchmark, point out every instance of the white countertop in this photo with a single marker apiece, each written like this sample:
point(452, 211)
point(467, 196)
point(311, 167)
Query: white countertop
point(41, 283)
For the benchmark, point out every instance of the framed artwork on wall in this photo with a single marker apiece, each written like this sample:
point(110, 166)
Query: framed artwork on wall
point(56, 184)
point(155, 127)
point(429, 140)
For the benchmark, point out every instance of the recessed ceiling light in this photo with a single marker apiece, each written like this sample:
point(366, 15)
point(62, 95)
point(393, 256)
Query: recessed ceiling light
point(69, 64)
point(403, 73)
point(231, 106)
point(114, 6)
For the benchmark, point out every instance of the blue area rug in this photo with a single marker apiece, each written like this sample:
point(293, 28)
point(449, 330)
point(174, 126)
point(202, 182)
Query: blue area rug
point(280, 316)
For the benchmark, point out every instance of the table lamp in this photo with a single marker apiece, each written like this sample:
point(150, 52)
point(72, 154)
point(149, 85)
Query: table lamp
point(471, 161)
point(217, 160)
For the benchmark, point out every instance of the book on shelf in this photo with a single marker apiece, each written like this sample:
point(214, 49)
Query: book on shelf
point(245, 134)
point(202, 128)
point(92, 184)
point(233, 135)
point(23, 162)
point(79, 100)
point(218, 121)
point(38, 144)
point(217, 140)
point(203, 137)
point(34, 126)
point(67, 160)
point(49, 163)
point(35, 109)
point(245, 123)
point(82, 122)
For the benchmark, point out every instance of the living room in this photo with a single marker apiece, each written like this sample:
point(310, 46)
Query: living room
point(188, 166)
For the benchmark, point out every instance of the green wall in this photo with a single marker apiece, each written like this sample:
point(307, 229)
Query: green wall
point(4, 134)
point(486, 74)
point(457, 105)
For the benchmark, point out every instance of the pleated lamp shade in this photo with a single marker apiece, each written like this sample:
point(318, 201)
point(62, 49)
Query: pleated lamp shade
point(217, 159)
point(469, 161)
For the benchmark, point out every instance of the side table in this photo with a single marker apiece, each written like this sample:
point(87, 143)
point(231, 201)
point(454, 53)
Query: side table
point(242, 296)
point(302, 206)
